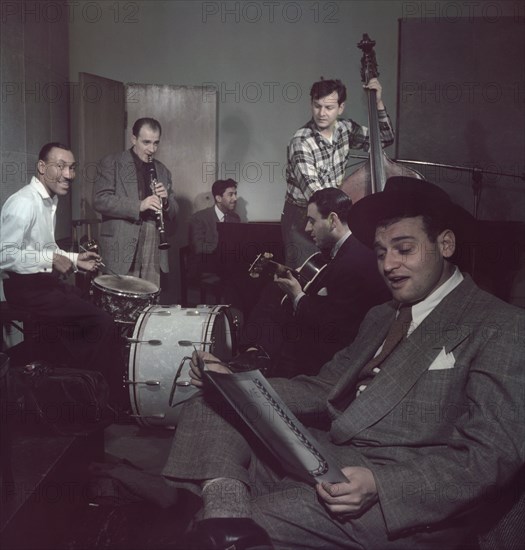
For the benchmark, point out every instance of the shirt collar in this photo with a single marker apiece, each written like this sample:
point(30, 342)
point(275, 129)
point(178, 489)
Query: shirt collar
point(422, 309)
point(219, 213)
point(41, 190)
point(319, 136)
point(339, 244)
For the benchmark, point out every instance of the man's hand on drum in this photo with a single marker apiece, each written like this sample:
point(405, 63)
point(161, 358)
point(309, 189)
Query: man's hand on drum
point(89, 261)
point(212, 363)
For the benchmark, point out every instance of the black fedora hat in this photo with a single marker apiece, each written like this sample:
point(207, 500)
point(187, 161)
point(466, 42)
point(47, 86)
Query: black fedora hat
point(407, 197)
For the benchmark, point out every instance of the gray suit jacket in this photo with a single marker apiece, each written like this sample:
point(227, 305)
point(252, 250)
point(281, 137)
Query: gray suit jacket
point(443, 422)
point(204, 236)
point(116, 197)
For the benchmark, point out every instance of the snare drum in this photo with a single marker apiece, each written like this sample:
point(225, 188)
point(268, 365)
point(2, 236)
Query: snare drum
point(124, 297)
point(158, 374)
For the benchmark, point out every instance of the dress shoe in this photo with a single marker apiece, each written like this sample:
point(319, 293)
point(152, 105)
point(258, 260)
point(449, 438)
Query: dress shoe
point(227, 534)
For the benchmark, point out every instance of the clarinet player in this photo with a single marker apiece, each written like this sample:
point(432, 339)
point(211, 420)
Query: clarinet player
point(133, 192)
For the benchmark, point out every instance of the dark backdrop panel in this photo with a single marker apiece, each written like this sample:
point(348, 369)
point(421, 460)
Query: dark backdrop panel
point(461, 101)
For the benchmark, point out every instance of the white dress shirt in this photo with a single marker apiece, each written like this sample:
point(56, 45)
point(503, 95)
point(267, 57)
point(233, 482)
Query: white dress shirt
point(219, 213)
point(27, 231)
point(421, 310)
point(424, 308)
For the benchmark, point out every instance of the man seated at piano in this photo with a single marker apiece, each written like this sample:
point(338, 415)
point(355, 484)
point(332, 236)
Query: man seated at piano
point(204, 236)
point(206, 262)
point(323, 305)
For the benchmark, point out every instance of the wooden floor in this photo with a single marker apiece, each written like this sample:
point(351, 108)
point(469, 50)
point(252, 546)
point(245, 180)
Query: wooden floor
point(55, 501)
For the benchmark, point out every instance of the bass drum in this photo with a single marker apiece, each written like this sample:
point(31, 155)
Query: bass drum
point(160, 353)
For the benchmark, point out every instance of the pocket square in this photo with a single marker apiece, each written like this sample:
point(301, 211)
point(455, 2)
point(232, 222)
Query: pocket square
point(323, 292)
point(443, 361)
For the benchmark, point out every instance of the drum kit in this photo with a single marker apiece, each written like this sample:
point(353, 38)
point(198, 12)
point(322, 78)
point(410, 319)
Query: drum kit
point(155, 340)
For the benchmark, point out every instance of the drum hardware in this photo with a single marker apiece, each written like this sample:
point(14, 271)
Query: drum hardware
point(156, 416)
point(150, 342)
point(193, 312)
point(177, 382)
point(198, 311)
point(206, 328)
point(165, 311)
point(185, 343)
point(144, 382)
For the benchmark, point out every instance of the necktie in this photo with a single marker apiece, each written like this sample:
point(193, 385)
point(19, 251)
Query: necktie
point(398, 330)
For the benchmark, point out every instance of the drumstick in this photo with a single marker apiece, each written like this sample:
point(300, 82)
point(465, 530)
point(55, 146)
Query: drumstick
point(103, 264)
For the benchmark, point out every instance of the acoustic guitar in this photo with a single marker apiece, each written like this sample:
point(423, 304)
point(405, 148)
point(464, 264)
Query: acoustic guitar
point(309, 272)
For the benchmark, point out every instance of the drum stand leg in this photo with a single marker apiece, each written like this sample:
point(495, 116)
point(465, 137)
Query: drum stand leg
point(120, 376)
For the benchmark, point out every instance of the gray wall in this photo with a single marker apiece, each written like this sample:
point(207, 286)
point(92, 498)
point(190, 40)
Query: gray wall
point(262, 57)
point(34, 105)
point(262, 62)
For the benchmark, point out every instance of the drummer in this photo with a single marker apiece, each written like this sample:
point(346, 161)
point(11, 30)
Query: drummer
point(71, 330)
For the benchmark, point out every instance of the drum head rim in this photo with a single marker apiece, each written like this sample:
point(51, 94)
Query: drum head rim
point(136, 370)
point(98, 283)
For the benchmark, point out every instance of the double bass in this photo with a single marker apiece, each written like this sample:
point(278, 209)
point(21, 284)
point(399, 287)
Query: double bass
point(371, 176)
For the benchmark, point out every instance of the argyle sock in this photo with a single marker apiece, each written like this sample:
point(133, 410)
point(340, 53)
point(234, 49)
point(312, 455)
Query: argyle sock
point(225, 498)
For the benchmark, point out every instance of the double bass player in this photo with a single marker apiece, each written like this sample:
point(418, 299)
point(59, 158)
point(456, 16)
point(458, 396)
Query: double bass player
point(318, 155)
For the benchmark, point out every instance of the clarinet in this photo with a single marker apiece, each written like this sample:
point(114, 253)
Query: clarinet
point(159, 214)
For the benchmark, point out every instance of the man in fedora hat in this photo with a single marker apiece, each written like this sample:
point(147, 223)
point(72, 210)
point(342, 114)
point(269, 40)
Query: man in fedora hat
point(425, 406)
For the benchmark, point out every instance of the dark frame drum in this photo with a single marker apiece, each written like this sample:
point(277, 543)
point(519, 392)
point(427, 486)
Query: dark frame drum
point(159, 357)
point(124, 297)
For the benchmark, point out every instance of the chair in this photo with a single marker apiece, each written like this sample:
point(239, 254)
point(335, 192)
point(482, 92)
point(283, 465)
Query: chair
point(208, 286)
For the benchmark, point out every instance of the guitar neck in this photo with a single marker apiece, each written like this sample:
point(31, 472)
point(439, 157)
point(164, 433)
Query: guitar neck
point(281, 267)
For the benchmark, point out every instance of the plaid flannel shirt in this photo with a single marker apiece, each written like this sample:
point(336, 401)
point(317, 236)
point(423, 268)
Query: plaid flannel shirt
point(314, 163)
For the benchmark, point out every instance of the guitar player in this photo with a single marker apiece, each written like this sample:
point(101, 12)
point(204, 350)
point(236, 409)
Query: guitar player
point(305, 331)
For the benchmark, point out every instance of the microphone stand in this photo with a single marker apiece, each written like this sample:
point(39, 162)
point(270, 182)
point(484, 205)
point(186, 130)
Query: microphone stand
point(476, 172)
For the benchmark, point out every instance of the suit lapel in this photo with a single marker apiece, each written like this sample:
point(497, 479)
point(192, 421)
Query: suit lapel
point(373, 337)
point(320, 278)
point(401, 370)
point(128, 175)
